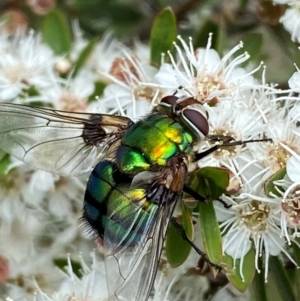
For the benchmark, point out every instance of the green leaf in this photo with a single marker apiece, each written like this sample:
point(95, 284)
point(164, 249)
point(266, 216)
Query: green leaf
point(187, 221)
point(209, 182)
point(243, 4)
point(63, 263)
point(258, 287)
point(190, 202)
point(296, 253)
point(282, 282)
point(177, 248)
point(96, 16)
point(31, 91)
point(269, 185)
point(83, 56)
point(4, 163)
point(253, 45)
point(200, 40)
point(98, 90)
point(239, 280)
point(56, 32)
point(210, 232)
point(163, 34)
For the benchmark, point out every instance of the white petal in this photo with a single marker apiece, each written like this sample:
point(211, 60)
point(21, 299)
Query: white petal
point(294, 81)
point(166, 76)
point(209, 57)
point(294, 112)
point(42, 180)
point(275, 242)
point(293, 167)
point(239, 246)
point(222, 213)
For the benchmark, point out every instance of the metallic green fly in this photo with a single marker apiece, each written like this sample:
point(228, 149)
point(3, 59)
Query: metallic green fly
point(132, 193)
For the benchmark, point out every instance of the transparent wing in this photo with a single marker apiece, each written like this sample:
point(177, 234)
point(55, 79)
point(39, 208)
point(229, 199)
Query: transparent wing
point(133, 246)
point(64, 143)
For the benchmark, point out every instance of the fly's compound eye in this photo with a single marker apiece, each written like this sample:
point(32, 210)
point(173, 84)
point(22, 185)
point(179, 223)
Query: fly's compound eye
point(168, 101)
point(196, 121)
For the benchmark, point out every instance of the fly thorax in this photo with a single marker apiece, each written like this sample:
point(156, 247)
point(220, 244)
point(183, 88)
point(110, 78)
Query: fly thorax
point(152, 141)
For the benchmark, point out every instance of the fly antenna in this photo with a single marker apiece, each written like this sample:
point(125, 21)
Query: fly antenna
point(181, 88)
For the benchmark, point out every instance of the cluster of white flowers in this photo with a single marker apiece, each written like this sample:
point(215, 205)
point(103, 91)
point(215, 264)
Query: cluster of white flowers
point(242, 108)
point(39, 212)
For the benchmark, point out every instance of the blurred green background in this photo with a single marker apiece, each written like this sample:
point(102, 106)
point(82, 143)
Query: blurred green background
point(256, 23)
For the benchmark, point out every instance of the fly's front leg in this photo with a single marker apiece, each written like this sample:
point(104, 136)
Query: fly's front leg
point(200, 198)
point(194, 194)
point(201, 253)
point(218, 138)
point(214, 148)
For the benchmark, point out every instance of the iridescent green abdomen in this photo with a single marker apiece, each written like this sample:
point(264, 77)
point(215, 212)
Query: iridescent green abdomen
point(152, 141)
point(111, 205)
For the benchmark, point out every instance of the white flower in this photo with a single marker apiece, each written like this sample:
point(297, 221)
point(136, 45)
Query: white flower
point(128, 94)
point(251, 220)
point(203, 74)
point(24, 62)
point(70, 94)
point(285, 139)
point(232, 123)
point(104, 54)
point(261, 100)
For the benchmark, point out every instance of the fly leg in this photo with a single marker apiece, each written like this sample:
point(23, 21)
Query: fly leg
point(200, 198)
point(201, 253)
point(226, 206)
point(194, 194)
point(209, 151)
